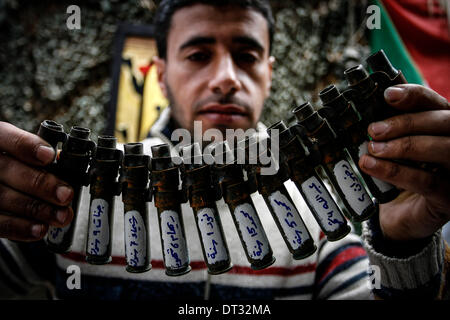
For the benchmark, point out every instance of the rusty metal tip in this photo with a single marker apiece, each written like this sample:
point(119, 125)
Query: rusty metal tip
point(276, 128)
point(313, 121)
point(355, 74)
point(161, 151)
point(107, 141)
point(80, 132)
point(303, 111)
point(378, 61)
point(52, 125)
point(280, 125)
point(134, 148)
point(329, 94)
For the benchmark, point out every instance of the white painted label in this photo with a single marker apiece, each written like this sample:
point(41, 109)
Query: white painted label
point(353, 189)
point(253, 234)
point(382, 185)
point(174, 244)
point(213, 241)
point(330, 216)
point(55, 235)
point(135, 239)
point(289, 218)
point(98, 237)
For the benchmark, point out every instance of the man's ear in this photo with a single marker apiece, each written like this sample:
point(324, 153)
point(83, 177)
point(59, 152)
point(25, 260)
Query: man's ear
point(270, 63)
point(161, 72)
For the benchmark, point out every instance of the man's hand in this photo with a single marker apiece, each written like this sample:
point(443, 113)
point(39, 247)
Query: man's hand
point(30, 198)
point(421, 135)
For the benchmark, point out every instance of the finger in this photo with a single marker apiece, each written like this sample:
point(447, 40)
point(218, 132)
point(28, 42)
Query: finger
point(20, 229)
point(436, 123)
point(434, 186)
point(417, 148)
point(414, 97)
point(27, 207)
point(34, 182)
point(25, 146)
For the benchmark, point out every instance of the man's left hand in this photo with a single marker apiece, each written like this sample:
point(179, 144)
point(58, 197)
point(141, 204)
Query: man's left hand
point(421, 135)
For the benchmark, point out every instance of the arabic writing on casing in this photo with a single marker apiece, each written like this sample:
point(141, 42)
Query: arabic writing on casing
point(322, 200)
point(291, 224)
point(210, 223)
point(355, 185)
point(173, 240)
point(135, 228)
point(98, 237)
point(252, 231)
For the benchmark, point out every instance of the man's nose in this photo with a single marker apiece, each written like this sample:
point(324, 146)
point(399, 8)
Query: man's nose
point(225, 76)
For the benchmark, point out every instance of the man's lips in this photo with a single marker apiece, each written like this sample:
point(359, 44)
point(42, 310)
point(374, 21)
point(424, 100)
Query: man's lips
point(220, 109)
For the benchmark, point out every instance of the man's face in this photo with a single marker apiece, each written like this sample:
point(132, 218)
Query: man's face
point(217, 68)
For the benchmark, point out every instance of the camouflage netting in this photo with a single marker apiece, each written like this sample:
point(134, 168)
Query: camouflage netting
point(50, 72)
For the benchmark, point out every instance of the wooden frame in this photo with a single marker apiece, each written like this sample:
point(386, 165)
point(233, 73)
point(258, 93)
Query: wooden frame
point(142, 39)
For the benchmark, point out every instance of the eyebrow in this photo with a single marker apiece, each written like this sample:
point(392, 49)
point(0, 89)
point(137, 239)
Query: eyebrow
point(196, 41)
point(245, 40)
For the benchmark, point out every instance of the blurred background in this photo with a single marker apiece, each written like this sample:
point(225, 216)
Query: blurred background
point(48, 71)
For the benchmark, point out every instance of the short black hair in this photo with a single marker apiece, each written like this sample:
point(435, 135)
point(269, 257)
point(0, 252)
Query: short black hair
point(167, 8)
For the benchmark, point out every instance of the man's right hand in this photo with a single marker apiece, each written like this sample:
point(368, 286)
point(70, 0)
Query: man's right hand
point(31, 199)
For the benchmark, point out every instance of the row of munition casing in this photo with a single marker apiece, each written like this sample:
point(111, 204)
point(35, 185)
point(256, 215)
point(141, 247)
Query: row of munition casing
point(105, 163)
point(324, 143)
point(142, 178)
point(81, 163)
point(78, 151)
point(349, 113)
point(328, 143)
point(307, 146)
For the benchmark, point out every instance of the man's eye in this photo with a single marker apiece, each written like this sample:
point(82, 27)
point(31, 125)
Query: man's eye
point(199, 56)
point(245, 57)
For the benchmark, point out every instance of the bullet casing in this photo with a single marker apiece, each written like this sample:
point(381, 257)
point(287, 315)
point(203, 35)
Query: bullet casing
point(165, 181)
point(286, 216)
point(135, 195)
point(71, 167)
point(201, 195)
point(104, 187)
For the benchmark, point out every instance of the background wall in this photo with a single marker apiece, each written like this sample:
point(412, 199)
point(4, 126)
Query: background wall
point(50, 72)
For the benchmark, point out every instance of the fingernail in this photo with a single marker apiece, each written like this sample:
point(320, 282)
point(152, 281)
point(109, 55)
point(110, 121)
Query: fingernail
point(378, 128)
point(63, 193)
point(370, 162)
point(45, 154)
point(394, 94)
point(61, 216)
point(36, 230)
point(377, 147)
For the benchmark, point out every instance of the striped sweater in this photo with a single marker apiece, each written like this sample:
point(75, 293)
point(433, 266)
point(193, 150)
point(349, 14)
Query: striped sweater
point(337, 270)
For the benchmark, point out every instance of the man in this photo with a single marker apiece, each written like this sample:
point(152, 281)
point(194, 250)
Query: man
point(215, 66)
